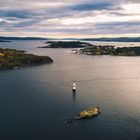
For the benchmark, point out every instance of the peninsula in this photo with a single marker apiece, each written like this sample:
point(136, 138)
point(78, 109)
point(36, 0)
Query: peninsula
point(13, 59)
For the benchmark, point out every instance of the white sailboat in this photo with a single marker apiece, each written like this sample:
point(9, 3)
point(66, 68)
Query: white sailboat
point(74, 86)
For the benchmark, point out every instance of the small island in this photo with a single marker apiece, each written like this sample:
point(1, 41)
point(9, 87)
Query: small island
point(110, 50)
point(66, 44)
point(13, 59)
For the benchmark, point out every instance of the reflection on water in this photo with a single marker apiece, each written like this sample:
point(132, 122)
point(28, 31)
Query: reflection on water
point(74, 95)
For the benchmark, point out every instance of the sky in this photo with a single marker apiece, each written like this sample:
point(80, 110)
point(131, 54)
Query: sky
point(70, 18)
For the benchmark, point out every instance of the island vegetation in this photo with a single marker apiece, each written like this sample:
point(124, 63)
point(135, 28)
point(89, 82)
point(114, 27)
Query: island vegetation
point(110, 50)
point(11, 58)
point(66, 44)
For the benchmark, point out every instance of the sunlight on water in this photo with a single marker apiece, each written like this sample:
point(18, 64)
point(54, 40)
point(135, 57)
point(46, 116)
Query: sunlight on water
point(35, 100)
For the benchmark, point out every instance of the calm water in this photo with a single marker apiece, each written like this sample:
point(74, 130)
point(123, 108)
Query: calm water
point(35, 101)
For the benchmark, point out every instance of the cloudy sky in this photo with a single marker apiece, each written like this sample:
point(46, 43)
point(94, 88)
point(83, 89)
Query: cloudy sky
point(70, 18)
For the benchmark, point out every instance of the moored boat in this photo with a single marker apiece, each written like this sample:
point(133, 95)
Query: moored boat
point(74, 87)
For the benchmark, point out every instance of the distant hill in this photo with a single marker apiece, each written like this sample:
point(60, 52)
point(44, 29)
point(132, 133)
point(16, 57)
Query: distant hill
point(5, 41)
point(121, 39)
point(23, 38)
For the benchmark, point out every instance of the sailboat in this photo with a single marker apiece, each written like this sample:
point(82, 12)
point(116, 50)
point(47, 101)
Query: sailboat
point(74, 87)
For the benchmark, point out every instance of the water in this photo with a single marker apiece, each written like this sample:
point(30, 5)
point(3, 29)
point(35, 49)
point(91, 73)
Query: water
point(34, 101)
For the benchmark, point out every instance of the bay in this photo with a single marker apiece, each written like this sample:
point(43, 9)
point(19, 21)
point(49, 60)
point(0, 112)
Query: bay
point(34, 101)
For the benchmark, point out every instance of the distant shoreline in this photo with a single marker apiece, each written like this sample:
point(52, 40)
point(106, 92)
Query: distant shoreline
point(118, 39)
point(5, 41)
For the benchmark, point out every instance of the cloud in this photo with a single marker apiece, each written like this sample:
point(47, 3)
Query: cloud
point(15, 13)
point(69, 18)
point(92, 6)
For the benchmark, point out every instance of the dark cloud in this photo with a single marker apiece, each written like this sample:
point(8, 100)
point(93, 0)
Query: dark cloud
point(26, 23)
point(118, 27)
point(2, 23)
point(15, 13)
point(114, 24)
point(92, 6)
